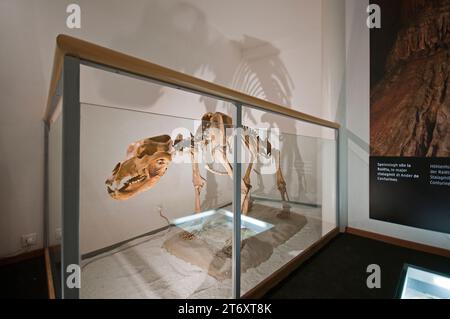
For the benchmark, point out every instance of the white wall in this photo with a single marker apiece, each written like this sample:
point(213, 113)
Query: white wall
point(199, 37)
point(357, 119)
point(23, 88)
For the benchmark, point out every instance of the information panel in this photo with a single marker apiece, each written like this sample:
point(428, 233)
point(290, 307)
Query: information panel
point(410, 114)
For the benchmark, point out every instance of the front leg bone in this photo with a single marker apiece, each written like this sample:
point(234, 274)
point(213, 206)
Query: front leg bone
point(197, 180)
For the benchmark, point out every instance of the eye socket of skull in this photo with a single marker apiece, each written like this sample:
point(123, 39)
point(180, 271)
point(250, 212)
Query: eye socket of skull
point(159, 163)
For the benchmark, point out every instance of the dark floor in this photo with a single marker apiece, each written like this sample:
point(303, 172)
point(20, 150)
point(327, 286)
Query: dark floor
point(339, 270)
point(25, 279)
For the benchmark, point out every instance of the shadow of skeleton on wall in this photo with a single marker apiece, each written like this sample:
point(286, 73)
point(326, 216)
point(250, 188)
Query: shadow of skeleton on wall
point(182, 39)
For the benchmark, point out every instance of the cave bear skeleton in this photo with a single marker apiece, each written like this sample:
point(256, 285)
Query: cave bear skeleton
point(148, 159)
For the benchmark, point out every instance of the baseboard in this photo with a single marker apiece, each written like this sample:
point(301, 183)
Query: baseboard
point(22, 257)
point(48, 270)
point(119, 244)
point(263, 287)
point(399, 242)
point(279, 200)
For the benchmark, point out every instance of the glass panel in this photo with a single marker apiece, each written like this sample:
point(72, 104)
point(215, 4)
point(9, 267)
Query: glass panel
point(141, 232)
point(54, 197)
point(291, 184)
point(156, 213)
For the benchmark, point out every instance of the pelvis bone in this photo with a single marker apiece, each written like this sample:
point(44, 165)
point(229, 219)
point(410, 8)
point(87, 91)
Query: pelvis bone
point(147, 161)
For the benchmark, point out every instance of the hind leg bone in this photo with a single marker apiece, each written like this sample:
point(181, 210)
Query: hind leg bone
point(281, 184)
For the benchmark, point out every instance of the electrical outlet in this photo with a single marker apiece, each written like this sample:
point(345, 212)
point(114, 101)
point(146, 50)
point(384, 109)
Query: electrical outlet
point(29, 240)
point(58, 233)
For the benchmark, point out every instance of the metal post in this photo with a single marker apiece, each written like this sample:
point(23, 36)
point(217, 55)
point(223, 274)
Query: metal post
point(70, 178)
point(236, 249)
point(338, 202)
point(46, 186)
point(343, 182)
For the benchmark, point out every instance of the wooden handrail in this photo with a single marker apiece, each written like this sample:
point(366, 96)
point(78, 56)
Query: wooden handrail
point(66, 45)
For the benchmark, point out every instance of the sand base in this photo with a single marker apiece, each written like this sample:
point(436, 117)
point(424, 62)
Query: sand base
point(200, 251)
point(143, 268)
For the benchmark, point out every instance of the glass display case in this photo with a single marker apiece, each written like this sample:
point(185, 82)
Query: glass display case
point(420, 283)
point(165, 187)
